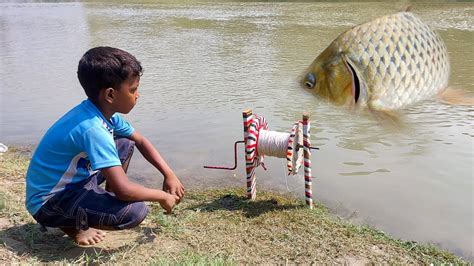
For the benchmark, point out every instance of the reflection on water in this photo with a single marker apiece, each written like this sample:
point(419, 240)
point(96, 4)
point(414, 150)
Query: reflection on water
point(206, 62)
point(365, 173)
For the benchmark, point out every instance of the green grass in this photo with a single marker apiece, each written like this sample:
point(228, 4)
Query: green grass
point(211, 227)
point(280, 229)
point(188, 257)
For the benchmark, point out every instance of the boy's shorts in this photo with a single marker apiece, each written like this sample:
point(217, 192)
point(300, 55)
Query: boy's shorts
point(86, 204)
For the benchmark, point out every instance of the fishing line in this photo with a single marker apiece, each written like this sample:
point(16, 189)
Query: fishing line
point(285, 177)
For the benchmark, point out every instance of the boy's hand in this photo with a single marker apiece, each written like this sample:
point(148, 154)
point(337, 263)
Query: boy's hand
point(172, 185)
point(169, 202)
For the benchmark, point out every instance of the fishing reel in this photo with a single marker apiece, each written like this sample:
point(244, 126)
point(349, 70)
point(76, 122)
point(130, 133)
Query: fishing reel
point(259, 142)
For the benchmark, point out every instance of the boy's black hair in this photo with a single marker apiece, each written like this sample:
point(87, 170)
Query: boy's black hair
point(106, 67)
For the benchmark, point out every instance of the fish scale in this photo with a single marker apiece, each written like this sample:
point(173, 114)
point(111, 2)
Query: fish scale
point(400, 59)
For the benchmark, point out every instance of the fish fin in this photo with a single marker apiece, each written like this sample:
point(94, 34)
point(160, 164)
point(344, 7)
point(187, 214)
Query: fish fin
point(390, 118)
point(384, 114)
point(455, 97)
point(406, 8)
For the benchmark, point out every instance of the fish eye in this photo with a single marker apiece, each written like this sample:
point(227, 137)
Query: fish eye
point(310, 81)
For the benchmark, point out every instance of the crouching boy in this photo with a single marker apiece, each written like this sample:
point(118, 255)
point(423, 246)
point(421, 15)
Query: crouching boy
point(91, 144)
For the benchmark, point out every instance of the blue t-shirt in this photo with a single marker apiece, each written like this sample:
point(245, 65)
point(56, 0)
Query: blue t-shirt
point(75, 147)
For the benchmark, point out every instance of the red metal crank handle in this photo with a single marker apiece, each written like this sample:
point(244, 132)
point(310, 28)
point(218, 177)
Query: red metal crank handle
point(235, 159)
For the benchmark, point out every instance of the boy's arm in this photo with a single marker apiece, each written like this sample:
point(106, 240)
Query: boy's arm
point(171, 182)
point(124, 189)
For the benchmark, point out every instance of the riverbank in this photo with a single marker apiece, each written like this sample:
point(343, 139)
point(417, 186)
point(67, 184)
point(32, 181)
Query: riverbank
point(208, 227)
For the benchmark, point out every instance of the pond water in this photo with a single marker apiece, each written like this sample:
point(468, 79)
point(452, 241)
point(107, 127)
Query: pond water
point(207, 62)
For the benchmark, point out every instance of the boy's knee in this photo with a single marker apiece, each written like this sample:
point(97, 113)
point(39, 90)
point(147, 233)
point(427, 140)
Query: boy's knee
point(124, 142)
point(134, 215)
point(125, 148)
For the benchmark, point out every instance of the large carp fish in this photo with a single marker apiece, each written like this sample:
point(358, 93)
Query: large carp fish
point(385, 64)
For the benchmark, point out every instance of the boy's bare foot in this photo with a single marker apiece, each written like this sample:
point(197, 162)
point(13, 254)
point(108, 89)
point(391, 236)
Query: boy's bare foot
point(90, 236)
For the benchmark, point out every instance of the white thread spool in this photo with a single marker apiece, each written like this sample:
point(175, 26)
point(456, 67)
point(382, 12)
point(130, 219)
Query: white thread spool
point(272, 143)
point(283, 145)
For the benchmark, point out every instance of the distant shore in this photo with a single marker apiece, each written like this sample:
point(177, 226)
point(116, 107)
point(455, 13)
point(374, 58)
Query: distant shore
point(208, 227)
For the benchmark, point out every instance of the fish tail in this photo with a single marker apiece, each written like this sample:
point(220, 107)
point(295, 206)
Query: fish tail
point(455, 97)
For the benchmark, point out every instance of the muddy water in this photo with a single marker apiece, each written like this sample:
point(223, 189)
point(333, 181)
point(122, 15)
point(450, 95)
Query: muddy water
point(206, 62)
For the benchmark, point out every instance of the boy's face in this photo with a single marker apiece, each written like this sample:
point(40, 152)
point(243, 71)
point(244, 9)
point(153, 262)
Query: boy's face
point(127, 95)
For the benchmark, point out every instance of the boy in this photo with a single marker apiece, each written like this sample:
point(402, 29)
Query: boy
point(91, 144)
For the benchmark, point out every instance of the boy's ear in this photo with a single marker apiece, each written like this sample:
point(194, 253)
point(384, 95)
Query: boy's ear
point(109, 95)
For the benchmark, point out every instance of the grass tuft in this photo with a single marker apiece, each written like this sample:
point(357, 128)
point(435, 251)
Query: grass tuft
point(210, 227)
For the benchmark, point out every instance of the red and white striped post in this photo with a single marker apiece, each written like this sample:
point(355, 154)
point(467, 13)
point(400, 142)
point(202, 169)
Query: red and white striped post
point(249, 156)
point(308, 179)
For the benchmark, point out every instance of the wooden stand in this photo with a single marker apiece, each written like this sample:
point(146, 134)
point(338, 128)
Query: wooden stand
point(251, 157)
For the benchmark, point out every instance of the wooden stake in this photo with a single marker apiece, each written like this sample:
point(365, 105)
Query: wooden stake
point(249, 159)
point(308, 179)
